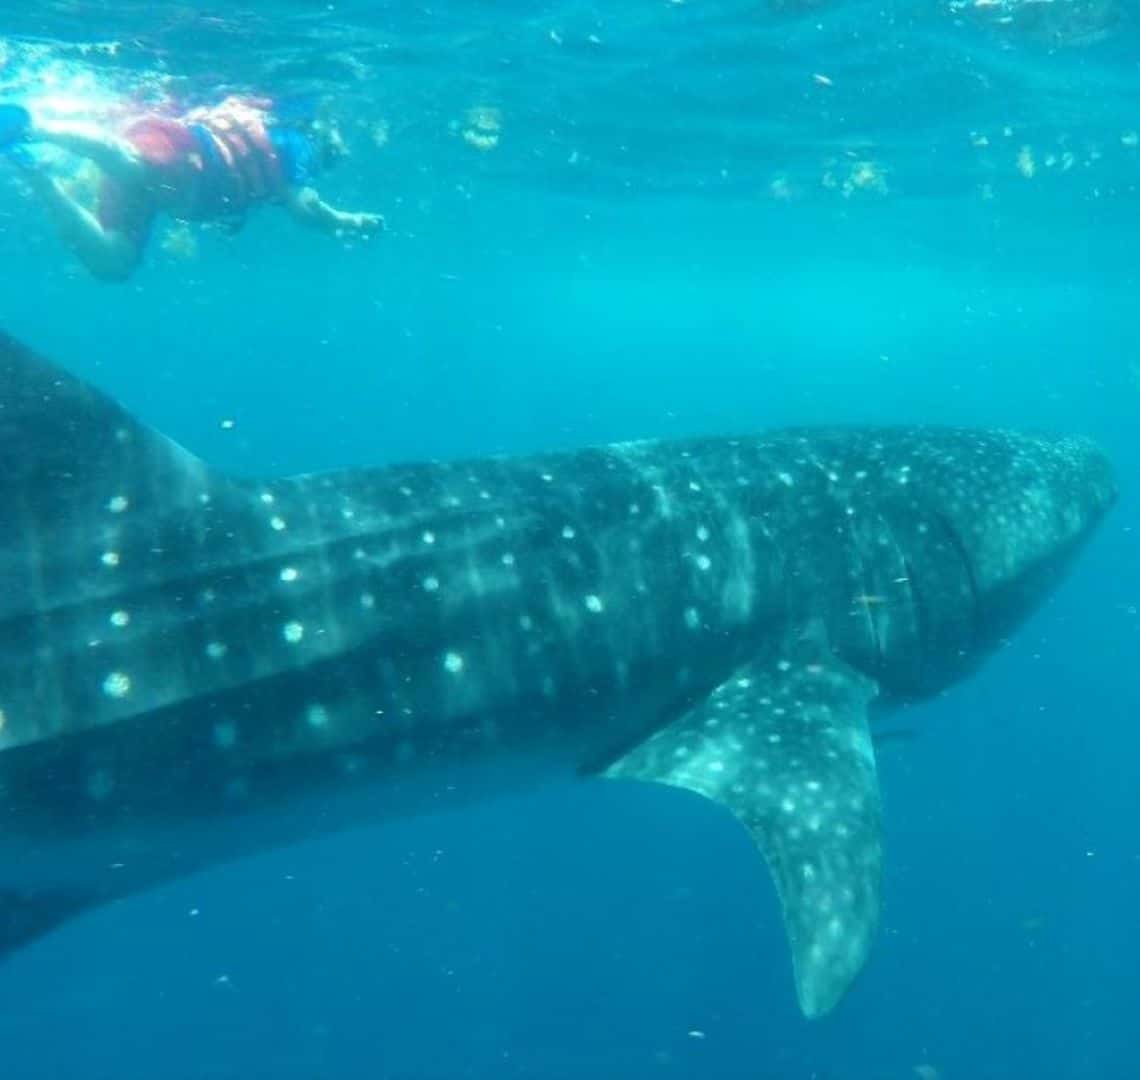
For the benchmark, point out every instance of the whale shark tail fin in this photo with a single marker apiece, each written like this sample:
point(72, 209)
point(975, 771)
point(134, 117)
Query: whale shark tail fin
point(787, 748)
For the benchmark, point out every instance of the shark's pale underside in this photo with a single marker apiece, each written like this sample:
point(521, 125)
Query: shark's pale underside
point(193, 666)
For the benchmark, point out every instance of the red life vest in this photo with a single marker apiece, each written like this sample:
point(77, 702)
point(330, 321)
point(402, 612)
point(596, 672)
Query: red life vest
point(211, 164)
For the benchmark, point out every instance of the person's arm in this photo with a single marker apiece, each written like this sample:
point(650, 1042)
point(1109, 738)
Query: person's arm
point(306, 206)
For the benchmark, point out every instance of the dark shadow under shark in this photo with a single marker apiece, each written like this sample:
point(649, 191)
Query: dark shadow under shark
point(193, 667)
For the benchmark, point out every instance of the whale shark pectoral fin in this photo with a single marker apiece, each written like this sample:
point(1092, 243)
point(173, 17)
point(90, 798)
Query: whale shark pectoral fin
point(788, 750)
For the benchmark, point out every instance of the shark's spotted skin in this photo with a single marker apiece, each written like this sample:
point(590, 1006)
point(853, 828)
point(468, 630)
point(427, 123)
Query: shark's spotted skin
point(784, 744)
point(193, 666)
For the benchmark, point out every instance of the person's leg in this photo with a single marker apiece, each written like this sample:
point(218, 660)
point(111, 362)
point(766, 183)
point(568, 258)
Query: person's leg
point(109, 254)
point(115, 157)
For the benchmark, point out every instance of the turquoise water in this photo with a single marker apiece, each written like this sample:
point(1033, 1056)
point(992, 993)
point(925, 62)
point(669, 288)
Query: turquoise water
point(647, 220)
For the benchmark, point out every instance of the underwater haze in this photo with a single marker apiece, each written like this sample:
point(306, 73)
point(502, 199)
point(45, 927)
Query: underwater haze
point(641, 219)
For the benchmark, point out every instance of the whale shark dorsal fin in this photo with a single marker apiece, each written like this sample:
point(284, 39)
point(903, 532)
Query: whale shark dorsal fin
point(787, 748)
point(66, 445)
point(74, 462)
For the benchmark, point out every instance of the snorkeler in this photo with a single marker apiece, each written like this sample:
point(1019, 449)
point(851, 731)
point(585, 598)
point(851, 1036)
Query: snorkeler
point(209, 165)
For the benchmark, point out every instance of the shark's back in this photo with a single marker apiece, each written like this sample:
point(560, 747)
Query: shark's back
point(100, 515)
point(139, 580)
point(74, 464)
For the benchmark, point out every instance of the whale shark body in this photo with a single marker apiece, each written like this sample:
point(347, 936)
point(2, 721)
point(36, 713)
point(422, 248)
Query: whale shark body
point(194, 667)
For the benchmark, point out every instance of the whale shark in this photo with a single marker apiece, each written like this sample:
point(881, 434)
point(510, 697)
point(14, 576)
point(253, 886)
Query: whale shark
point(196, 666)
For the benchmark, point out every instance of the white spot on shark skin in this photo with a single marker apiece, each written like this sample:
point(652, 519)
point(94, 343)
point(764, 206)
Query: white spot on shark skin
point(785, 479)
point(289, 573)
point(703, 562)
point(508, 558)
point(594, 603)
point(702, 533)
point(405, 490)
point(788, 806)
point(277, 524)
point(3, 720)
point(100, 784)
point(526, 622)
point(430, 583)
point(109, 558)
point(215, 650)
point(292, 632)
point(568, 532)
point(547, 478)
point(225, 734)
point(317, 716)
point(120, 619)
point(692, 618)
point(267, 498)
point(453, 662)
point(428, 537)
point(694, 486)
point(117, 685)
point(118, 503)
point(367, 601)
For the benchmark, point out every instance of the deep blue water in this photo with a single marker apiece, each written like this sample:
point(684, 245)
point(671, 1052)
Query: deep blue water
point(679, 230)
